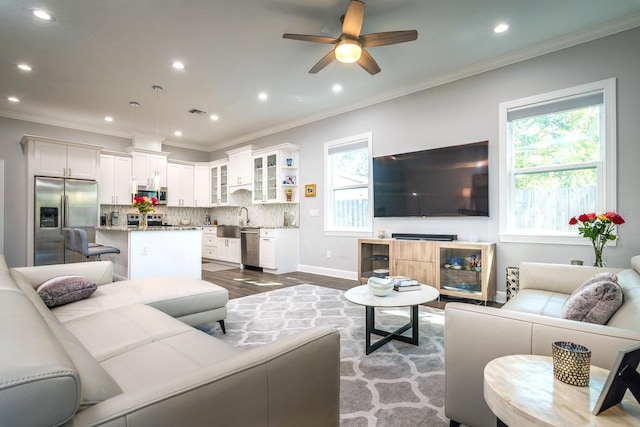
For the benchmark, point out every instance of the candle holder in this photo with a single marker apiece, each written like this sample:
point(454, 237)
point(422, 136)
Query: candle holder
point(571, 363)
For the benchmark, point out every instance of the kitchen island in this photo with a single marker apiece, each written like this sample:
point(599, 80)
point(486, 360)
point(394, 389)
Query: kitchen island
point(154, 251)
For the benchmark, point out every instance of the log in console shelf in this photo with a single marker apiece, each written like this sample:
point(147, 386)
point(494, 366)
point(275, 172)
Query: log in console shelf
point(459, 269)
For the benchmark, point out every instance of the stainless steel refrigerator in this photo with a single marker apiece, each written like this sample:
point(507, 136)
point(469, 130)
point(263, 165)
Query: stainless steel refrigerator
point(60, 203)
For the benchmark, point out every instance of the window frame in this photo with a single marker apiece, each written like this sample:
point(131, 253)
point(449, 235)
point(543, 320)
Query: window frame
point(607, 194)
point(329, 229)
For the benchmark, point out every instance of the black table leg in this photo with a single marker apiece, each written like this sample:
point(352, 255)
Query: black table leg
point(388, 336)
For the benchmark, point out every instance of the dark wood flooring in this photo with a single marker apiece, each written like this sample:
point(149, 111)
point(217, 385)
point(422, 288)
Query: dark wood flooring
point(238, 282)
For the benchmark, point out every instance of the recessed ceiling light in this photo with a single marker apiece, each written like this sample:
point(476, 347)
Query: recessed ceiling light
point(42, 14)
point(500, 28)
point(178, 65)
point(177, 133)
point(214, 117)
point(108, 119)
point(337, 88)
point(263, 96)
point(13, 99)
point(25, 67)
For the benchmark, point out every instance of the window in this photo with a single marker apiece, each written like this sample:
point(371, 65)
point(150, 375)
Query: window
point(557, 154)
point(347, 177)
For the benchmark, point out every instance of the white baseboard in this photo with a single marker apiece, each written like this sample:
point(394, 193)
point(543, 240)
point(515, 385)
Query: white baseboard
point(342, 274)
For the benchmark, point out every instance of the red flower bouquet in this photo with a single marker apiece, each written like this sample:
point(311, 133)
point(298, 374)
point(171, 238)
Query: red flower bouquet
point(144, 204)
point(599, 229)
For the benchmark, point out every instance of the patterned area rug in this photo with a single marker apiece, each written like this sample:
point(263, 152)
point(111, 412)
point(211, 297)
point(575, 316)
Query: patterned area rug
point(398, 385)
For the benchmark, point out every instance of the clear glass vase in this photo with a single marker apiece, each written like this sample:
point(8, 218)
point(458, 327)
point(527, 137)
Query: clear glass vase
point(597, 249)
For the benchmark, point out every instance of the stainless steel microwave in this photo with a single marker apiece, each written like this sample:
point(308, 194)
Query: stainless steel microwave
point(150, 192)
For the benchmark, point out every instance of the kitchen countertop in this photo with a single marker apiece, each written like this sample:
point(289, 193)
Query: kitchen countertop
point(150, 228)
point(247, 226)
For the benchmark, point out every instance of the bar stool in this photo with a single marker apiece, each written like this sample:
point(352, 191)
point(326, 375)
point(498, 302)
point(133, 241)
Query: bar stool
point(70, 242)
point(69, 239)
point(83, 246)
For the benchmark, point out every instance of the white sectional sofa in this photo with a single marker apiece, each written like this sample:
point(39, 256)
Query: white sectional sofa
point(128, 356)
point(528, 324)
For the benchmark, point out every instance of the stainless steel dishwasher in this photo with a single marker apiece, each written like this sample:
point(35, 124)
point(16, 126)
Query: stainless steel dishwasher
point(250, 246)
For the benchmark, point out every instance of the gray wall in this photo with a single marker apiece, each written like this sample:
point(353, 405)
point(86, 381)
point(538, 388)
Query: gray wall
point(455, 113)
point(467, 111)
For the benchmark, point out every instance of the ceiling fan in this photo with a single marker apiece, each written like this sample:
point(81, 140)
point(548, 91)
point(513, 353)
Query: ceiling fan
point(351, 46)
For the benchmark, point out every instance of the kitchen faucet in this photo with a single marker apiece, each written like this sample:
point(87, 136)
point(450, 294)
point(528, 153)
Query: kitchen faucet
point(240, 215)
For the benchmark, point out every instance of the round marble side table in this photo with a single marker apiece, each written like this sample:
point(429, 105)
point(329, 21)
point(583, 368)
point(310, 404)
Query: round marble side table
point(522, 391)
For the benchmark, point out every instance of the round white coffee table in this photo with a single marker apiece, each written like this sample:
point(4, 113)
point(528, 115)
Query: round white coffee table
point(522, 391)
point(362, 295)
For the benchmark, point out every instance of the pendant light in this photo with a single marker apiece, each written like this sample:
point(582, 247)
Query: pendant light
point(134, 106)
point(156, 174)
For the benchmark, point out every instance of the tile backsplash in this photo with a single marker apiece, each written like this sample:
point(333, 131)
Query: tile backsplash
point(267, 215)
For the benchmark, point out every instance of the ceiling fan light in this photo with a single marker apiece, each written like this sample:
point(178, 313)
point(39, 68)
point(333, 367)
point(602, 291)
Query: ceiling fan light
point(348, 51)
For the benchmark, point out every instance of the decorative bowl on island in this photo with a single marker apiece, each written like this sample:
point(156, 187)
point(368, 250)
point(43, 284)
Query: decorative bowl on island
point(380, 287)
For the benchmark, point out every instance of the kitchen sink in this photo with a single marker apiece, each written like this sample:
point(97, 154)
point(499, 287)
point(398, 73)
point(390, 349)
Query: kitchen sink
point(228, 231)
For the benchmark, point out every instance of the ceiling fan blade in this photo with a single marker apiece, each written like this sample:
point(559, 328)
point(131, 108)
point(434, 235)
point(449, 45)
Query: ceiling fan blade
point(387, 38)
point(326, 60)
point(307, 38)
point(367, 62)
point(353, 18)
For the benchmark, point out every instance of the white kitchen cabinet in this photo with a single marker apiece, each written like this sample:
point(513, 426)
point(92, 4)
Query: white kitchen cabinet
point(202, 186)
point(147, 166)
point(275, 175)
point(219, 248)
point(229, 249)
point(180, 178)
point(65, 160)
point(240, 169)
point(210, 243)
point(114, 185)
point(219, 184)
point(279, 250)
point(267, 248)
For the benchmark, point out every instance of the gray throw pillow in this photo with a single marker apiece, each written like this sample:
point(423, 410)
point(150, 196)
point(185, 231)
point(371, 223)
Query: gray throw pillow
point(65, 289)
point(595, 300)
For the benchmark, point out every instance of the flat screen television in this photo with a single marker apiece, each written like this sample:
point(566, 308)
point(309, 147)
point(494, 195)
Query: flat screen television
point(441, 182)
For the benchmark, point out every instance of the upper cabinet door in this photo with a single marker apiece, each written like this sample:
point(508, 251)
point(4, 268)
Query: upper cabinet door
point(67, 161)
point(240, 168)
point(146, 166)
point(50, 159)
point(202, 186)
point(122, 182)
point(106, 183)
point(82, 162)
point(114, 185)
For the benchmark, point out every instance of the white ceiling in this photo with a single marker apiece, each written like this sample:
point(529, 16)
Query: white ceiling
point(99, 55)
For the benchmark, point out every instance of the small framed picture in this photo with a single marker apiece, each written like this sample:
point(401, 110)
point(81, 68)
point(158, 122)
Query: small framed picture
point(289, 180)
point(623, 376)
point(310, 190)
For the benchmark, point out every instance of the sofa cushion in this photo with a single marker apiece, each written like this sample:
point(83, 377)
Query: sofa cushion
point(178, 297)
point(39, 384)
point(139, 345)
point(537, 301)
point(628, 315)
point(65, 289)
point(595, 300)
point(96, 384)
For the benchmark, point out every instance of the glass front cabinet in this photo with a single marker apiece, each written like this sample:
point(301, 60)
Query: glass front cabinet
point(275, 175)
point(219, 184)
point(467, 270)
